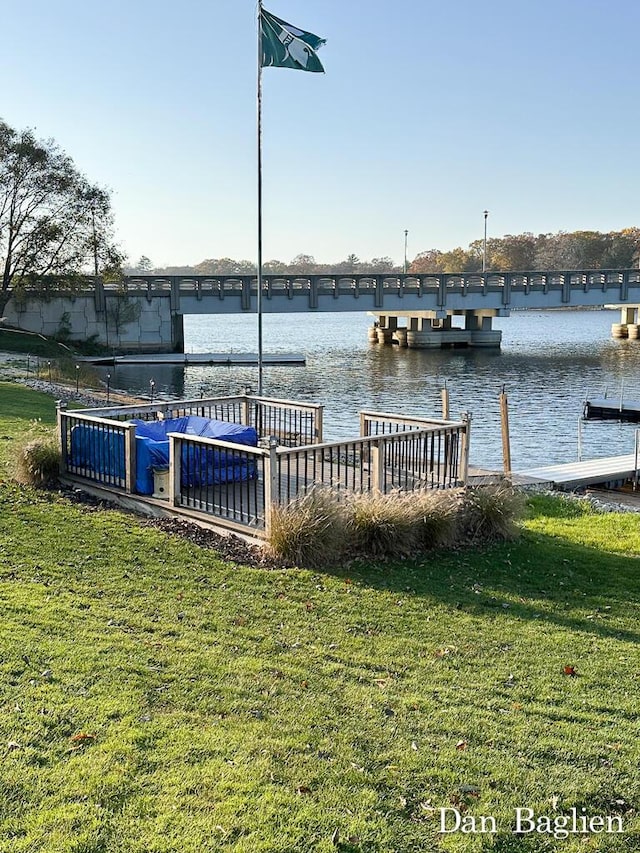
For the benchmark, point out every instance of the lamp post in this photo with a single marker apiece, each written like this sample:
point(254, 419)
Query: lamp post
point(406, 234)
point(484, 245)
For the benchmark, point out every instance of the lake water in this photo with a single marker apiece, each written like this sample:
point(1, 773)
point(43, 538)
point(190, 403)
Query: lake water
point(548, 363)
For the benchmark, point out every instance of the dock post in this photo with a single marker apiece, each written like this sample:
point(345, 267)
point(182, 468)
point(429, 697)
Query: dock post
point(504, 423)
point(61, 409)
point(175, 476)
point(130, 458)
point(271, 484)
point(463, 465)
point(377, 451)
point(318, 425)
point(445, 402)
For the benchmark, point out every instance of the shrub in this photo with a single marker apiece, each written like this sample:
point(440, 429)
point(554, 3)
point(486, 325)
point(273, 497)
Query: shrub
point(489, 513)
point(437, 514)
point(310, 531)
point(384, 525)
point(38, 462)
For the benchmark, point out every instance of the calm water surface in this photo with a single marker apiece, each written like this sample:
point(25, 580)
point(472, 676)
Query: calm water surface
point(548, 363)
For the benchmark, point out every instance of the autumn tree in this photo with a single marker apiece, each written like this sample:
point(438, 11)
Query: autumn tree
point(53, 222)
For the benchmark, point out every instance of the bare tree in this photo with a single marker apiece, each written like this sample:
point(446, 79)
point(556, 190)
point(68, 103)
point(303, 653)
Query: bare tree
point(53, 222)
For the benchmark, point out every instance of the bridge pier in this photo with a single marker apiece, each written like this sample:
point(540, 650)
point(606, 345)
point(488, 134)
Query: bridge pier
point(177, 332)
point(387, 324)
point(435, 329)
point(628, 325)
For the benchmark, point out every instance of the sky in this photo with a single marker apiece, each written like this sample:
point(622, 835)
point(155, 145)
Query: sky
point(429, 113)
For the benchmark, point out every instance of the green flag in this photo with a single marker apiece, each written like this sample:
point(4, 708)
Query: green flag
point(285, 46)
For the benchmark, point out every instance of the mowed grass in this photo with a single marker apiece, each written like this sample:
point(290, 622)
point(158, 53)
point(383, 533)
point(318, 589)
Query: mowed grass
point(154, 698)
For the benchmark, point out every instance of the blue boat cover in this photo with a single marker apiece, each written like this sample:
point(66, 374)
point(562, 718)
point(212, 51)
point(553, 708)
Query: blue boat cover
point(101, 450)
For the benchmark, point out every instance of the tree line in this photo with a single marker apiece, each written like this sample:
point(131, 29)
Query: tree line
point(562, 251)
point(525, 252)
point(300, 264)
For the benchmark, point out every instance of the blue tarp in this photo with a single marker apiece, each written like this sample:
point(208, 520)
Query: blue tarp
point(101, 451)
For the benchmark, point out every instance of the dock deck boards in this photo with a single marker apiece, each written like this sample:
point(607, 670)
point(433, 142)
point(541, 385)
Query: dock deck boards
point(575, 474)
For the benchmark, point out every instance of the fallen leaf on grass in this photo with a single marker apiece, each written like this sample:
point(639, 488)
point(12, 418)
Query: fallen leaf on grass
point(570, 670)
point(82, 737)
point(444, 651)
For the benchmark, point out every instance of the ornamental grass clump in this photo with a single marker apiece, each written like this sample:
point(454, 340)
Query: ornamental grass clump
point(436, 517)
point(489, 513)
point(38, 462)
point(381, 525)
point(308, 532)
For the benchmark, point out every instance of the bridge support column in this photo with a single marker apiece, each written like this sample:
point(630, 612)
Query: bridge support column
point(628, 325)
point(479, 325)
point(431, 333)
point(401, 336)
point(435, 329)
point(386, 327)
point(177, 333)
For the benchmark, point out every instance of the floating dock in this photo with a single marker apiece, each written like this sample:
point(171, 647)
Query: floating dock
point(573, 475)
point(221, 359)
point(607, 408)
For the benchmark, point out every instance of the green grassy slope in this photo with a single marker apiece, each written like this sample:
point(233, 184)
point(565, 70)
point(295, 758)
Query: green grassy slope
point(155, 698)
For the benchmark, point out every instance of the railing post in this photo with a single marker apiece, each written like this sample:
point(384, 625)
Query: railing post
point(318, 424)
point(376, 458)
point(363, 425)
point(245, 411)
point(271, 484)
point(130, 458)
point(175, 472)
point(61, 409)
point(463, 465)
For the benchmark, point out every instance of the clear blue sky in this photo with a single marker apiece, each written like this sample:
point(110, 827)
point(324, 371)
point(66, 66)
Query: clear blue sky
point(429, 112)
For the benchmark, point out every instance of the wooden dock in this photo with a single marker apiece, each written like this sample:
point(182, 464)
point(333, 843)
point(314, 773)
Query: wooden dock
point(608, 408)
point(221, 359)
point(574, 475)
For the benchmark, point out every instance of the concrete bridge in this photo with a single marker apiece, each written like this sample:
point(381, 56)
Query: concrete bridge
point(416, 310)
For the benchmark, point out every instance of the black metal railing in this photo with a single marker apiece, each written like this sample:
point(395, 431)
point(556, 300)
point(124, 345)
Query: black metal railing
point(98, 450)
point(291, 424)
point(219, 478)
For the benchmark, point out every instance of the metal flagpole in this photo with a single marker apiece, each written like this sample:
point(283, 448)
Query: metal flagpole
point(259, 300)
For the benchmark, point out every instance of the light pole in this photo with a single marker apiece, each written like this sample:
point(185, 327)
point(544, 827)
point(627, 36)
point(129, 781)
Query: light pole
point(406, 234)
point(484, 245)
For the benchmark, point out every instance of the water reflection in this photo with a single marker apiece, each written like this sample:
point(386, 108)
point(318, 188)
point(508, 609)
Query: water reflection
point(548, 363)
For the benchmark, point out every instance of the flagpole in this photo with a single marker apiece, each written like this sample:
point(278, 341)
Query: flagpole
point(259, 300)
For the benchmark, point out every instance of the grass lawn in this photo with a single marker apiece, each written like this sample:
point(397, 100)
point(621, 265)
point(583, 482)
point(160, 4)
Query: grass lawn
point(12, 340)
point(157, 699)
